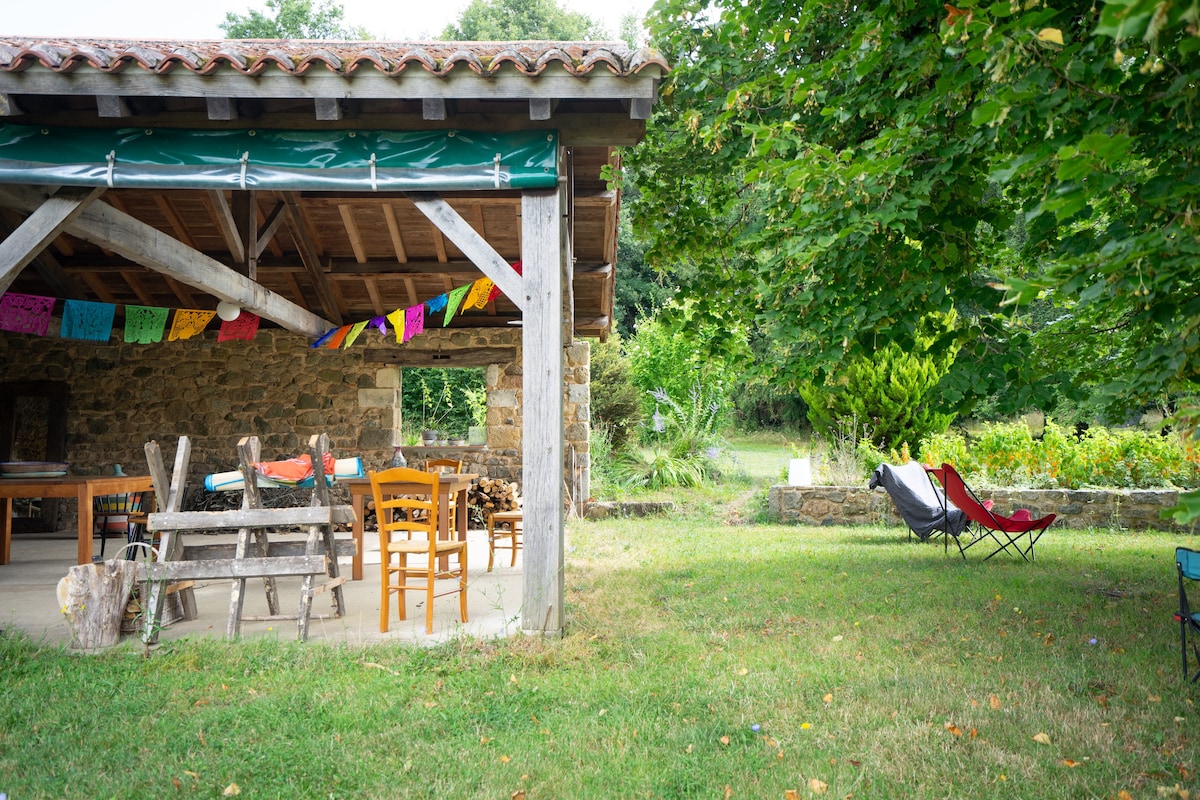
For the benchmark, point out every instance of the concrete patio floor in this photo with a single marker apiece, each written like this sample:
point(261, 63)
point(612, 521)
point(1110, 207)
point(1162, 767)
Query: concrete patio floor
point(28, 601)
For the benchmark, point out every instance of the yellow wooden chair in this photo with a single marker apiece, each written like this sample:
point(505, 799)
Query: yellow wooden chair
point(413, 518)
point(505, 525)
point(443, 466)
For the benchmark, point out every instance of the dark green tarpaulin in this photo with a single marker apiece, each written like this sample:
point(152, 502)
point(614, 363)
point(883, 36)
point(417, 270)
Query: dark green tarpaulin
point(164, 158)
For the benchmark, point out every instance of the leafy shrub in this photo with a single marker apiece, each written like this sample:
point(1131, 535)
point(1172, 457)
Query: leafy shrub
point(892, 390)
point(1007, 455)
point(616, 402)
point(671, 357)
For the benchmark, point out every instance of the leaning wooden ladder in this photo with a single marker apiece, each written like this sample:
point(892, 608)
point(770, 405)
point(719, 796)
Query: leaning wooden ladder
point(252, 555)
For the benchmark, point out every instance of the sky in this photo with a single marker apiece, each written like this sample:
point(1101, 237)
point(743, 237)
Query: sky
point(180, 20)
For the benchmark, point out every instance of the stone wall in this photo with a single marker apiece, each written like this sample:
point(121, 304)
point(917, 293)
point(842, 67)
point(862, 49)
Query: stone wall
point(278, 388)
point(849, 505)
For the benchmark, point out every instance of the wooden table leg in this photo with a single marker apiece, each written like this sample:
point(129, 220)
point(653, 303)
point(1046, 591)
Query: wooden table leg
point(85, 523)
point(6, 545)
point(358, 502)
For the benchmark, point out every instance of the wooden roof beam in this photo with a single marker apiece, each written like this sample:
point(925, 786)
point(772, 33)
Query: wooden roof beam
point(153, 249)
point(310, 257)
point(111, 106)
point(47, 219)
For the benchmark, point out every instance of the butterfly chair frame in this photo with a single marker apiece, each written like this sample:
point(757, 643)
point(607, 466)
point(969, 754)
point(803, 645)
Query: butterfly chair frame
point(408, 526)
point(1006, 532)
point(1187, 564)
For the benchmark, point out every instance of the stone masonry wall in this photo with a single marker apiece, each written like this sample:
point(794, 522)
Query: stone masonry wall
point(276, 387)
point(849, 505)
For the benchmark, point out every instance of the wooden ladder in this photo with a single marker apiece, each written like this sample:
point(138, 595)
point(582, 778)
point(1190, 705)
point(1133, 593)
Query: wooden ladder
point(253, 555)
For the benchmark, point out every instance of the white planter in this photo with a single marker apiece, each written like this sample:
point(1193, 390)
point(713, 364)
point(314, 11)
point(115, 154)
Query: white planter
point(800, 472)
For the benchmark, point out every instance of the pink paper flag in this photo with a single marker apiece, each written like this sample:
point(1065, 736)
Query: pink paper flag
point(414, 321)
point(25, 313)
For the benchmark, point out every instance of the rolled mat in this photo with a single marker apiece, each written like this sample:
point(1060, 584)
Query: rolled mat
point(343, 468)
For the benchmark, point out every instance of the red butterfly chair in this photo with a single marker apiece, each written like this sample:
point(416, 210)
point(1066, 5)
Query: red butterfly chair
point(1004, 531)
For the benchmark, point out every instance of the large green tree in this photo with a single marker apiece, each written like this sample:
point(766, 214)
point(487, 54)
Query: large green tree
point(838, 171)
point(502, 20)
point(293, 19)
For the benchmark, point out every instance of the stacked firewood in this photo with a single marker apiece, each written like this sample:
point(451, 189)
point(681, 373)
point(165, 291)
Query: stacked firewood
point(490, 495)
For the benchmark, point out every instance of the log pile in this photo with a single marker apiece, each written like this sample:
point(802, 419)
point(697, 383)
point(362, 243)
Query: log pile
point(490, 495)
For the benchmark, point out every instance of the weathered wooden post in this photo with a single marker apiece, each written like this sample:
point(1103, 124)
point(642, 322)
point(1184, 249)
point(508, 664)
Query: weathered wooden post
point(542, 413)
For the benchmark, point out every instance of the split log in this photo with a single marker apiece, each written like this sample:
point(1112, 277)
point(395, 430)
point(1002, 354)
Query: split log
point(96, 598)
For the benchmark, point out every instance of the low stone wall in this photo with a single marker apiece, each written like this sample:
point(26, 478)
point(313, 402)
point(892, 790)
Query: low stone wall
point(1138, 509)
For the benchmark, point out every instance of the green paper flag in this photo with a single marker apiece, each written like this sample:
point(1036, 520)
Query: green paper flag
point(453, 301)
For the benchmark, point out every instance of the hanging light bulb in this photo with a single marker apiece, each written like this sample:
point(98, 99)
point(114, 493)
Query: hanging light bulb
point(228, 311)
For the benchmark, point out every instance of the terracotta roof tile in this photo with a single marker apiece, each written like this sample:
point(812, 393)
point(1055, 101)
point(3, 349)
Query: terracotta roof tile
point(256, 56)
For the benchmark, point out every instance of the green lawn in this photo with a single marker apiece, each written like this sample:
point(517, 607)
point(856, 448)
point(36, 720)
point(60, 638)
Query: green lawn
point(700, 659)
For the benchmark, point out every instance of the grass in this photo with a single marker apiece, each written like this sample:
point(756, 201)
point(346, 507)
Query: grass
point(699, 660)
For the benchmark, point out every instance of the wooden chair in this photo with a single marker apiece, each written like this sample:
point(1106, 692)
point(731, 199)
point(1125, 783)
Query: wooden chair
point(415, 520)
point(121, 514)
point(443, 466)
point(514, 520)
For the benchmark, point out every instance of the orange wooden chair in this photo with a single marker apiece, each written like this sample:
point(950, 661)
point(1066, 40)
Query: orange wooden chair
point(443, 466)
point(408, 525)
point(515, 521)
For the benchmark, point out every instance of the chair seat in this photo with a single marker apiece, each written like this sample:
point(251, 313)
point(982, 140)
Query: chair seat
point(515, 521)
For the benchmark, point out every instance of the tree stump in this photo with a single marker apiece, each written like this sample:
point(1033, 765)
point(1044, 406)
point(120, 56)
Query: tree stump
point(96, 597)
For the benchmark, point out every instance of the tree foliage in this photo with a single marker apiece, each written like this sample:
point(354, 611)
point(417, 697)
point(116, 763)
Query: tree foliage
point(293, 19)
point(839, 171)
point(503, 20)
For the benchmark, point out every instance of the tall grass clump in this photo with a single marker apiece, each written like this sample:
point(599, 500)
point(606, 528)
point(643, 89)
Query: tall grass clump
point(684, 447)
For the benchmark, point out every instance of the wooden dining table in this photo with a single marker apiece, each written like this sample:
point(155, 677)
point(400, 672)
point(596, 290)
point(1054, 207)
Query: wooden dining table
point(452, 484)
point(84, 488)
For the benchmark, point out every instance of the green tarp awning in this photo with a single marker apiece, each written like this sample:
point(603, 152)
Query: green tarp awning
point(164, 158)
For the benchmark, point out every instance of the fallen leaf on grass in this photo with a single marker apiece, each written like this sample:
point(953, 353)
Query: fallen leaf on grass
point(1041, 738)
point(1174, 791)
point(828, 698)
point(954, 729)
point(817, 786)
point(1070, 762)
point(994, 703)
point(1124, 795)
point(724, 740)
point(504, 759)
point(519, 794)
point(232, 790)
point(791, 794)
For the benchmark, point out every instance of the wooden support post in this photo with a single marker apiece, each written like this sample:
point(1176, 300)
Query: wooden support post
point(542, 237)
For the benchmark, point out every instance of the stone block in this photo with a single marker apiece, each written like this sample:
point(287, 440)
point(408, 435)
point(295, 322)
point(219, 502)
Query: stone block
point(387, 378)
point(375, 398)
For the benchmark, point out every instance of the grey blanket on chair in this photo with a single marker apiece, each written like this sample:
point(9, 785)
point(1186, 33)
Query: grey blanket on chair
point(922, 505)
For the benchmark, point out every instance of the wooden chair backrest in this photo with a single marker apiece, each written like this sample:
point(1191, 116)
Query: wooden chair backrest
point(420, 509)
point(443, 465)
